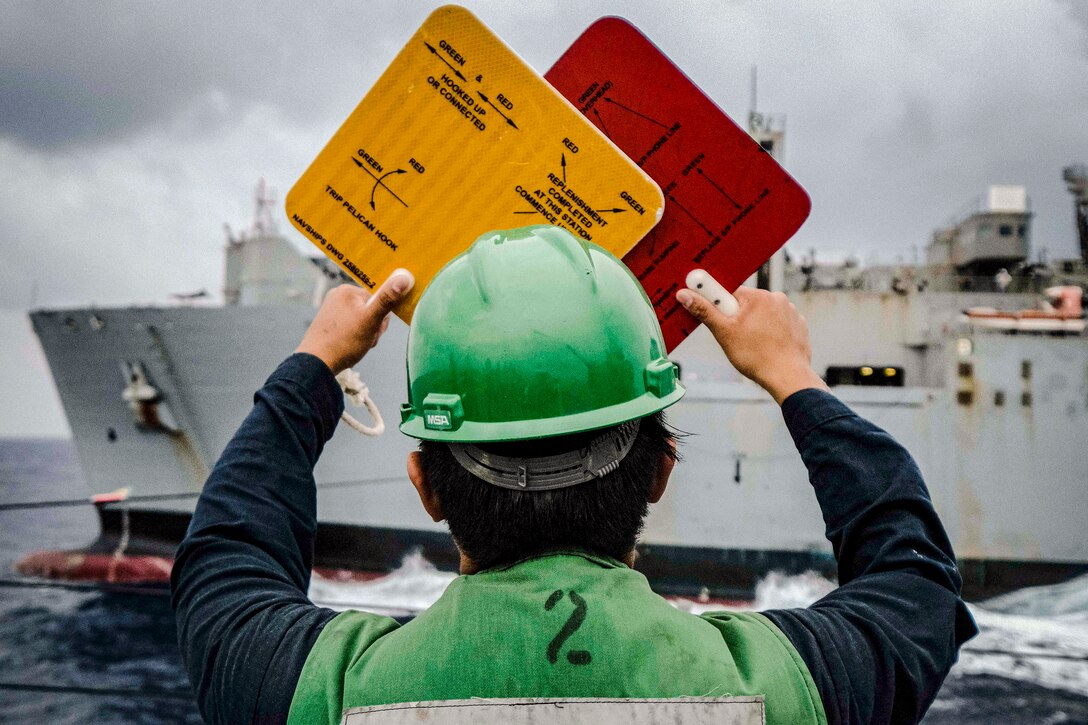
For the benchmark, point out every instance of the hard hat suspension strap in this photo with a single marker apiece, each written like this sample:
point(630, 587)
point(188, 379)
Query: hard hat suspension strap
point(600, 457)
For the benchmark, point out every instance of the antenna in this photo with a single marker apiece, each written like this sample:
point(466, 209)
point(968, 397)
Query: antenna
point(769, 133)
point(1076, 180)
point(263, 223)
point(754, 105)
point(754, 120)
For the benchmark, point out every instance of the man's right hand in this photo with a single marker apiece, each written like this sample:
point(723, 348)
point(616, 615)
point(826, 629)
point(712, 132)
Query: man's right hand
point(767, 340)
point(350, 321)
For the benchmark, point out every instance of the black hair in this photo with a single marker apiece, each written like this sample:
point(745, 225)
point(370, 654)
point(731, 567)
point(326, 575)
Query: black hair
point(495, 526)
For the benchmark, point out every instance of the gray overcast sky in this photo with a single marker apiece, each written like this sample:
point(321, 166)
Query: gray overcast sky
point(131, 131)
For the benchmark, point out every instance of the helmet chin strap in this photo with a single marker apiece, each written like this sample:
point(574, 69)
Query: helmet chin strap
point(600, 457)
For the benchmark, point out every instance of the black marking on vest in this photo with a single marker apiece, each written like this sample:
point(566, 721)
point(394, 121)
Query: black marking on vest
point(577, 617)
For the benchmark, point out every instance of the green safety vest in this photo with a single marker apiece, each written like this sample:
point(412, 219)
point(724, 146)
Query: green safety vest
point(563, 624)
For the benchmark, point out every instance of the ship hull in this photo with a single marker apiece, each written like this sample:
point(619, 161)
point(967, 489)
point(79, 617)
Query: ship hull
point(1005, 464)
point(346, 552)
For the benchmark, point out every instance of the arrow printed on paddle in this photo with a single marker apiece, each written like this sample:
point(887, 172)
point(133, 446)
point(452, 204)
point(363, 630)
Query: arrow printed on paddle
point(600, 123)
point(720, 189)
point(637, 113)
point(378, 181)
point(496, 108)
point(381, 182)
point(695, 219)
point(449, 65)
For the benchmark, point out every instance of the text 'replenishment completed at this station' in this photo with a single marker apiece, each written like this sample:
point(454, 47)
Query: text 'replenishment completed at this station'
point(459, 137)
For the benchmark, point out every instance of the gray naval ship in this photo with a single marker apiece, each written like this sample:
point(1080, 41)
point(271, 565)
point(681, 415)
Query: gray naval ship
point(976, 360)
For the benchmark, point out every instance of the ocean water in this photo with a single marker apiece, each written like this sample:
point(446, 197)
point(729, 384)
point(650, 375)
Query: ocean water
point(92, 656)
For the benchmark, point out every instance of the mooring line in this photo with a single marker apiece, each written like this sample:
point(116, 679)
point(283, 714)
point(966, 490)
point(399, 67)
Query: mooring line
point(62, 503)
point(106, 587)
point(152, 497)
point(105, 691)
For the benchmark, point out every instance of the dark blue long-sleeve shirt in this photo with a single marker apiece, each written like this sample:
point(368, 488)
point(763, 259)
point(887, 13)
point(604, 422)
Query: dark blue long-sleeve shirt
point(878, 647)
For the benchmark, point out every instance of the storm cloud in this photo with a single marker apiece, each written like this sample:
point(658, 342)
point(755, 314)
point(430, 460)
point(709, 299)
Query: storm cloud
point(131, 131)
point(92, 73)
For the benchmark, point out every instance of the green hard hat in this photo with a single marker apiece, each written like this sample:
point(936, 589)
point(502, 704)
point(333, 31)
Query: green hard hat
point(532, 333)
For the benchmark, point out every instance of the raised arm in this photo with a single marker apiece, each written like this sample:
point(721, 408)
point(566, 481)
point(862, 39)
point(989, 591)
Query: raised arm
point(245, 624)
point(880, 645)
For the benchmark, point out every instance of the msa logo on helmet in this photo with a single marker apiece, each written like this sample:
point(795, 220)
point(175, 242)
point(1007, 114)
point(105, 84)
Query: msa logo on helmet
point(437, 420)
point(441, 411)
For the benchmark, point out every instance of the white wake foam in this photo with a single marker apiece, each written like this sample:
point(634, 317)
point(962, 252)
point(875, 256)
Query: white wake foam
point(783, 591)
point(774, 591)
point(1047, 651)
point(415, 585)
point(1037, 635)
point(1066, 599)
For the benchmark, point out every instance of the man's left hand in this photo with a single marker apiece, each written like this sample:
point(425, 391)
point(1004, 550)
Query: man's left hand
point(350, 321)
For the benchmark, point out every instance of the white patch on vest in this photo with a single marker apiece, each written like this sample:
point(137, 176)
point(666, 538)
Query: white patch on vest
point(565, 711)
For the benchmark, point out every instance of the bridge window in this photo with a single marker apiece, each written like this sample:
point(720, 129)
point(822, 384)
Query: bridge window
point(883, 376)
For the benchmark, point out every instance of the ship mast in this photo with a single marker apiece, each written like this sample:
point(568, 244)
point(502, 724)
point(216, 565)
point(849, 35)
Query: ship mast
point(770, 133)
point(1076, 180)
point(263, 221)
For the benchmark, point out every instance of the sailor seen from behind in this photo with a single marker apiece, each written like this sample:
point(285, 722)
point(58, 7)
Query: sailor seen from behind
point(538, 383)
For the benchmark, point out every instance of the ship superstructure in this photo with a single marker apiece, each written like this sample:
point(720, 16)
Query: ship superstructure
point(997, 418)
